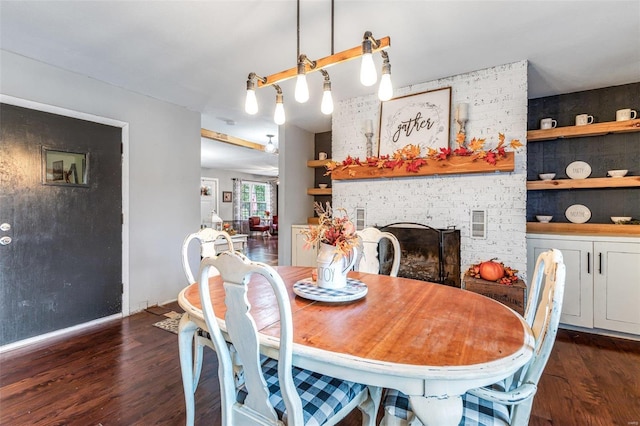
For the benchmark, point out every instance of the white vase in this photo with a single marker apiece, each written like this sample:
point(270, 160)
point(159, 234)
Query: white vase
point(333, 267)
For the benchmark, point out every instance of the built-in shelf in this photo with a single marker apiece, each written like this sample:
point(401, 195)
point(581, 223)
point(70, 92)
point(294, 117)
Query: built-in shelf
point(450, 166)
point(318, 163)
point(583, 229)
point(596, 129)
point(319, 191)
point(605, 182)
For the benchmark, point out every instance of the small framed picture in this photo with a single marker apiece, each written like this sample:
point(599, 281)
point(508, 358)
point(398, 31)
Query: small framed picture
point(227, 196)
point(65, 168)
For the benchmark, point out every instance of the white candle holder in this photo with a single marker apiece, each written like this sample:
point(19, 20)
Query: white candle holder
point(368, 133)
point(462, 116)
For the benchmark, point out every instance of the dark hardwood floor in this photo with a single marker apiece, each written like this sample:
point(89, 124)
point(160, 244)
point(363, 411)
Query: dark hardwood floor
point(127, 372)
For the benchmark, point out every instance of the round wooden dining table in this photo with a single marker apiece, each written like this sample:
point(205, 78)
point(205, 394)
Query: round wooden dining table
point(432, 342)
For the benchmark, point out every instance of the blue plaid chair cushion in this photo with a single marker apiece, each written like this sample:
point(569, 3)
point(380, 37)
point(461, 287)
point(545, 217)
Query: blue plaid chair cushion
point(475, 411)
point(322, 396)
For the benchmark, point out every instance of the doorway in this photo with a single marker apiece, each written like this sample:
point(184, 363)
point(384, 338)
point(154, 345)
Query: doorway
point(61, 261)
point(209, 203)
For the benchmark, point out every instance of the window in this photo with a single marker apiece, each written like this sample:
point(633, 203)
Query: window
point(255, 199)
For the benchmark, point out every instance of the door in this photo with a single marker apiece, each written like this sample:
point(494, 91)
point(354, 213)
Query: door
point(577, 307)
point(61, 257)
point(208, 201)
point(617, 286)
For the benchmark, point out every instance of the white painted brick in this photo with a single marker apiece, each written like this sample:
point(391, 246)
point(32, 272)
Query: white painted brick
point(498, 103)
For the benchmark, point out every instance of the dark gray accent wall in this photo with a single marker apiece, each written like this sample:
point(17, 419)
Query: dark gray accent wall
point(322, 144)
point(64, 265)
point(602, 153)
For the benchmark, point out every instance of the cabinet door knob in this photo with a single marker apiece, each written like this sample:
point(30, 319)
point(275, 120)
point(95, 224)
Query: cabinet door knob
point(588, 263)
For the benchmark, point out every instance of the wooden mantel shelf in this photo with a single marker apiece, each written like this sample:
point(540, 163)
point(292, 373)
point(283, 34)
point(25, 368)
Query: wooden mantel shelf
point(453, 165)
point(583, 229)
point(596, 129)
point(604, 182)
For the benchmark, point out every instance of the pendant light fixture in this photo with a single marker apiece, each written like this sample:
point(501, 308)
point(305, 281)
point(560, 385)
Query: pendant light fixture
point(270, 147)
point(305, 66)
point(385, 91)
point(327, 100)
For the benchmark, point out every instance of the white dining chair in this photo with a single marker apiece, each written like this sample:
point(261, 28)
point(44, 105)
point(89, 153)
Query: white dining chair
point(274, 391)
point(510, 403)
point(207, 238)
point(368, 256)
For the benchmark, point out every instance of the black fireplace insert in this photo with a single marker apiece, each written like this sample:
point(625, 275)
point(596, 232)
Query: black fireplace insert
point(428, 254)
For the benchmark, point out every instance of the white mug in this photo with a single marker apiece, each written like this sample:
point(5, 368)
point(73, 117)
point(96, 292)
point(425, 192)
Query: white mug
point(322, 156)
point(548, 123)
point(626, 114)
point(584, 119)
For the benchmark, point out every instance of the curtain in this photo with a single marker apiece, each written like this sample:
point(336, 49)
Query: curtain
point(273, 199)
point(237, 198)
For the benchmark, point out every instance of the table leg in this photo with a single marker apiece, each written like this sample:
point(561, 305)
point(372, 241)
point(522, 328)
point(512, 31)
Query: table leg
point(186, 334)
point(434, 411)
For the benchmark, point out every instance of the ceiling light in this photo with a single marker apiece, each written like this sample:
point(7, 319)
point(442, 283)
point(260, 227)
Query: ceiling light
point(251, 103)
point(302, 89)
point(301, 70)
point(368, 75)
point(270, 147)
point(385, 91)
point(327, 101)
point(278, 115)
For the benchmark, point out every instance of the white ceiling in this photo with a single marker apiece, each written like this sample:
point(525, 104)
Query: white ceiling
point(198, 53)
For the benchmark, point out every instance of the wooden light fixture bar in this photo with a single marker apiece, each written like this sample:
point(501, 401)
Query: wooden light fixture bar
point(327, 61)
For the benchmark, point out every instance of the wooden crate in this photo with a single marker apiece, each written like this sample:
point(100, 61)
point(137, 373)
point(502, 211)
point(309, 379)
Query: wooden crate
point(514, 296)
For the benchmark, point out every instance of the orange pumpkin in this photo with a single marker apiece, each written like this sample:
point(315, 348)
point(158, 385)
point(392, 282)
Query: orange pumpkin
point(491, 271)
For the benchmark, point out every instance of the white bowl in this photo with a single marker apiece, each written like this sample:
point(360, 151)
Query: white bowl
point(322, 185)
point(617, 173)
point(547, 176)
point(544, 219)
point(620, 219)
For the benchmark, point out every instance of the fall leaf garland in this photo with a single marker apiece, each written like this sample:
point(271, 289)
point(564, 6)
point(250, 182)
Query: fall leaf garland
point(409, 156)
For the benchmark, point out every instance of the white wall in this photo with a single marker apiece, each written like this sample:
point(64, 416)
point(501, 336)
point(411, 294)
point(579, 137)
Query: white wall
point(497, 100)
point(295, 206)
point(164, 167)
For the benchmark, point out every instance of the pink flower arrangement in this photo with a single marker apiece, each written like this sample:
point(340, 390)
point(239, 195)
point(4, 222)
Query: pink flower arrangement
point(332, 230)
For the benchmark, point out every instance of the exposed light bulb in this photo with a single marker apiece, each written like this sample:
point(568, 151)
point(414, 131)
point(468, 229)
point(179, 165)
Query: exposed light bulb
point(327, 100)
point(302, 89)
point(251, 102)
point(368, 74)
point(278, 115)
point(385, 91)
point(270, 148)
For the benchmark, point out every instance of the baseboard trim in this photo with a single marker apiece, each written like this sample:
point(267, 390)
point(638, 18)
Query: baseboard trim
point(601, 332)
point(38, 339)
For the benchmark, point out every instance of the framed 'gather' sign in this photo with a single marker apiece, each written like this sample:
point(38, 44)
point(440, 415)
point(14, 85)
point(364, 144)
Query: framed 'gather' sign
point(422, 119)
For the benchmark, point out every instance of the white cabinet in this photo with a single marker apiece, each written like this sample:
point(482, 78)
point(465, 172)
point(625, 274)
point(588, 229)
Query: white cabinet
point(602, 288)
point(299, 255)
point(616, 291)
point(577, 308)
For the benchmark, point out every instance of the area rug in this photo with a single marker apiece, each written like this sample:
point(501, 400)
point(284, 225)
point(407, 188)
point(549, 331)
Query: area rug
point(171, 323)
